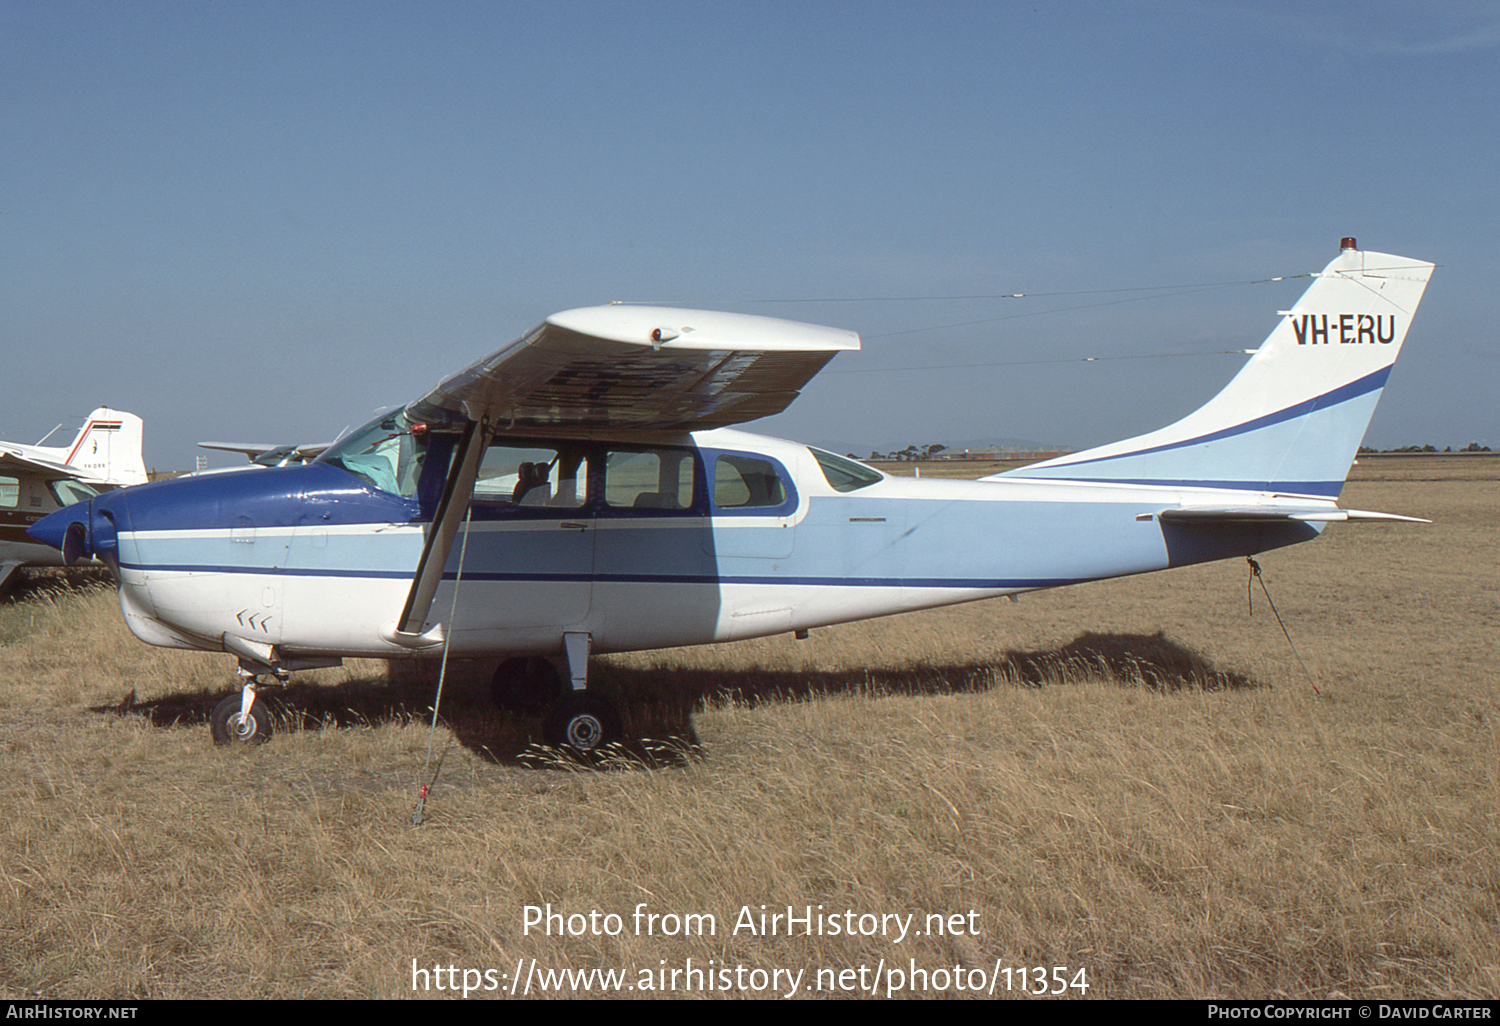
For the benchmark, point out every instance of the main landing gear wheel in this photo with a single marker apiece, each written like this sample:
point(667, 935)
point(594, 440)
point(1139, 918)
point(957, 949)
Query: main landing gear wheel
point(582, 722)
point(230, 728)
point(526, 685)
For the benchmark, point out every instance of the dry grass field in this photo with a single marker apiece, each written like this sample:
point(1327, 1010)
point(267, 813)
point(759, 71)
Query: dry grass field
point(1222, 827)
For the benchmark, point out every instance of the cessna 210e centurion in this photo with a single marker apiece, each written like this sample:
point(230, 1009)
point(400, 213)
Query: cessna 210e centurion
point(581, 490)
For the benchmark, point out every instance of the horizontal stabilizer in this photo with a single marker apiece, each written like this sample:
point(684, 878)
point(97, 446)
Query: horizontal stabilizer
point(1275, 514)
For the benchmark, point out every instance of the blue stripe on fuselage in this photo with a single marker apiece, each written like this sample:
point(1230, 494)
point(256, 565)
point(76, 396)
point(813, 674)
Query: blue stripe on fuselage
point(1342, 394)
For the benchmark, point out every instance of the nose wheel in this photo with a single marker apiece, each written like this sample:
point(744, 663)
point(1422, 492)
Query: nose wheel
point(233, 725)
point(240, 719)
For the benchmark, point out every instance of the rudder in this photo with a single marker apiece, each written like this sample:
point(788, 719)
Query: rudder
point(109, 447)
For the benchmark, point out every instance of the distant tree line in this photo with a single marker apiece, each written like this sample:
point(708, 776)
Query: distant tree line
point(909, 454)
point(1471, 447)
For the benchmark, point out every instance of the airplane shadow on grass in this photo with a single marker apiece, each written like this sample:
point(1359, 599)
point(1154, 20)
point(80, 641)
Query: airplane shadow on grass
point(657, 705)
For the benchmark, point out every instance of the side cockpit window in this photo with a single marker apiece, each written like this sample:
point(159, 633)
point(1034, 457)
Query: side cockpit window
point(528, 476)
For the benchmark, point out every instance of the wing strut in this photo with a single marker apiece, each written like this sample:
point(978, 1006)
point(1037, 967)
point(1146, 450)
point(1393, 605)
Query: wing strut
point(457, 491)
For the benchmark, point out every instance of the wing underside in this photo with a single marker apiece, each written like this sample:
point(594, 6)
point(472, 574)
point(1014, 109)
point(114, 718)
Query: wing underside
point(638, 368)
point(16, 463)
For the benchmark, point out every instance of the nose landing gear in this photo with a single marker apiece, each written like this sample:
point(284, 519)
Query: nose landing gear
point(238, 719)
point(232, 725)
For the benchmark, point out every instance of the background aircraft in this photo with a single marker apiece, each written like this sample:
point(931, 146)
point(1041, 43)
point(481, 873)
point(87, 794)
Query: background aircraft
point(37, 479)
point(270, 455)
point(581, 490)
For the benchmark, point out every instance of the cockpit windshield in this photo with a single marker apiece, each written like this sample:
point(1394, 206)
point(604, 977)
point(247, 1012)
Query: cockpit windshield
point(386, 452)
point(68, 491)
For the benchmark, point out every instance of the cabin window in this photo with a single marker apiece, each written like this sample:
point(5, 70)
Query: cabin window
point(747, 482)
point(650, 479)
point(533, 476)
point(10, 492)
point(844, 475)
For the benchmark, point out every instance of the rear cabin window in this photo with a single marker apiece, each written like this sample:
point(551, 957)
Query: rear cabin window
point(10, 492)
point(745, 482)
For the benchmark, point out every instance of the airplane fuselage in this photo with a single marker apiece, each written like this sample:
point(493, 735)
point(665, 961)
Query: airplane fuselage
point(24, 500)
point(671, 540)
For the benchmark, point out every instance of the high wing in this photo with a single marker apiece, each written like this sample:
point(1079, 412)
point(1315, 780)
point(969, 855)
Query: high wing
point(16, 462)
point(638, 367)
point(610, 368)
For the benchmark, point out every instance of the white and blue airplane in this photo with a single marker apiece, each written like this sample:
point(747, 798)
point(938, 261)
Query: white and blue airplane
point(582, 490)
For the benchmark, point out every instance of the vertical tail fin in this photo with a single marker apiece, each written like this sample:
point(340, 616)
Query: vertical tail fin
point(109, 447)
point(1291, 421)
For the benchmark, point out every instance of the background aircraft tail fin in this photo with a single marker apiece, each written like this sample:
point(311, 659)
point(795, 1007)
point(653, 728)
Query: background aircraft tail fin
point(108, 447)
point(1292, 420)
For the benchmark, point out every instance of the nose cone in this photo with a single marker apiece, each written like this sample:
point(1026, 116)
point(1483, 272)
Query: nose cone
point(52, 529)
point(81, 530)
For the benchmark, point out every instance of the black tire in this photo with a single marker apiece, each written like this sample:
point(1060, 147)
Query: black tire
point(582, 722)
point(229, 730)
point(526, 685)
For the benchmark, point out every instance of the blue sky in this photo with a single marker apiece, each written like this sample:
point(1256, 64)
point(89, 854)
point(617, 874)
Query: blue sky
point(262, 221)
